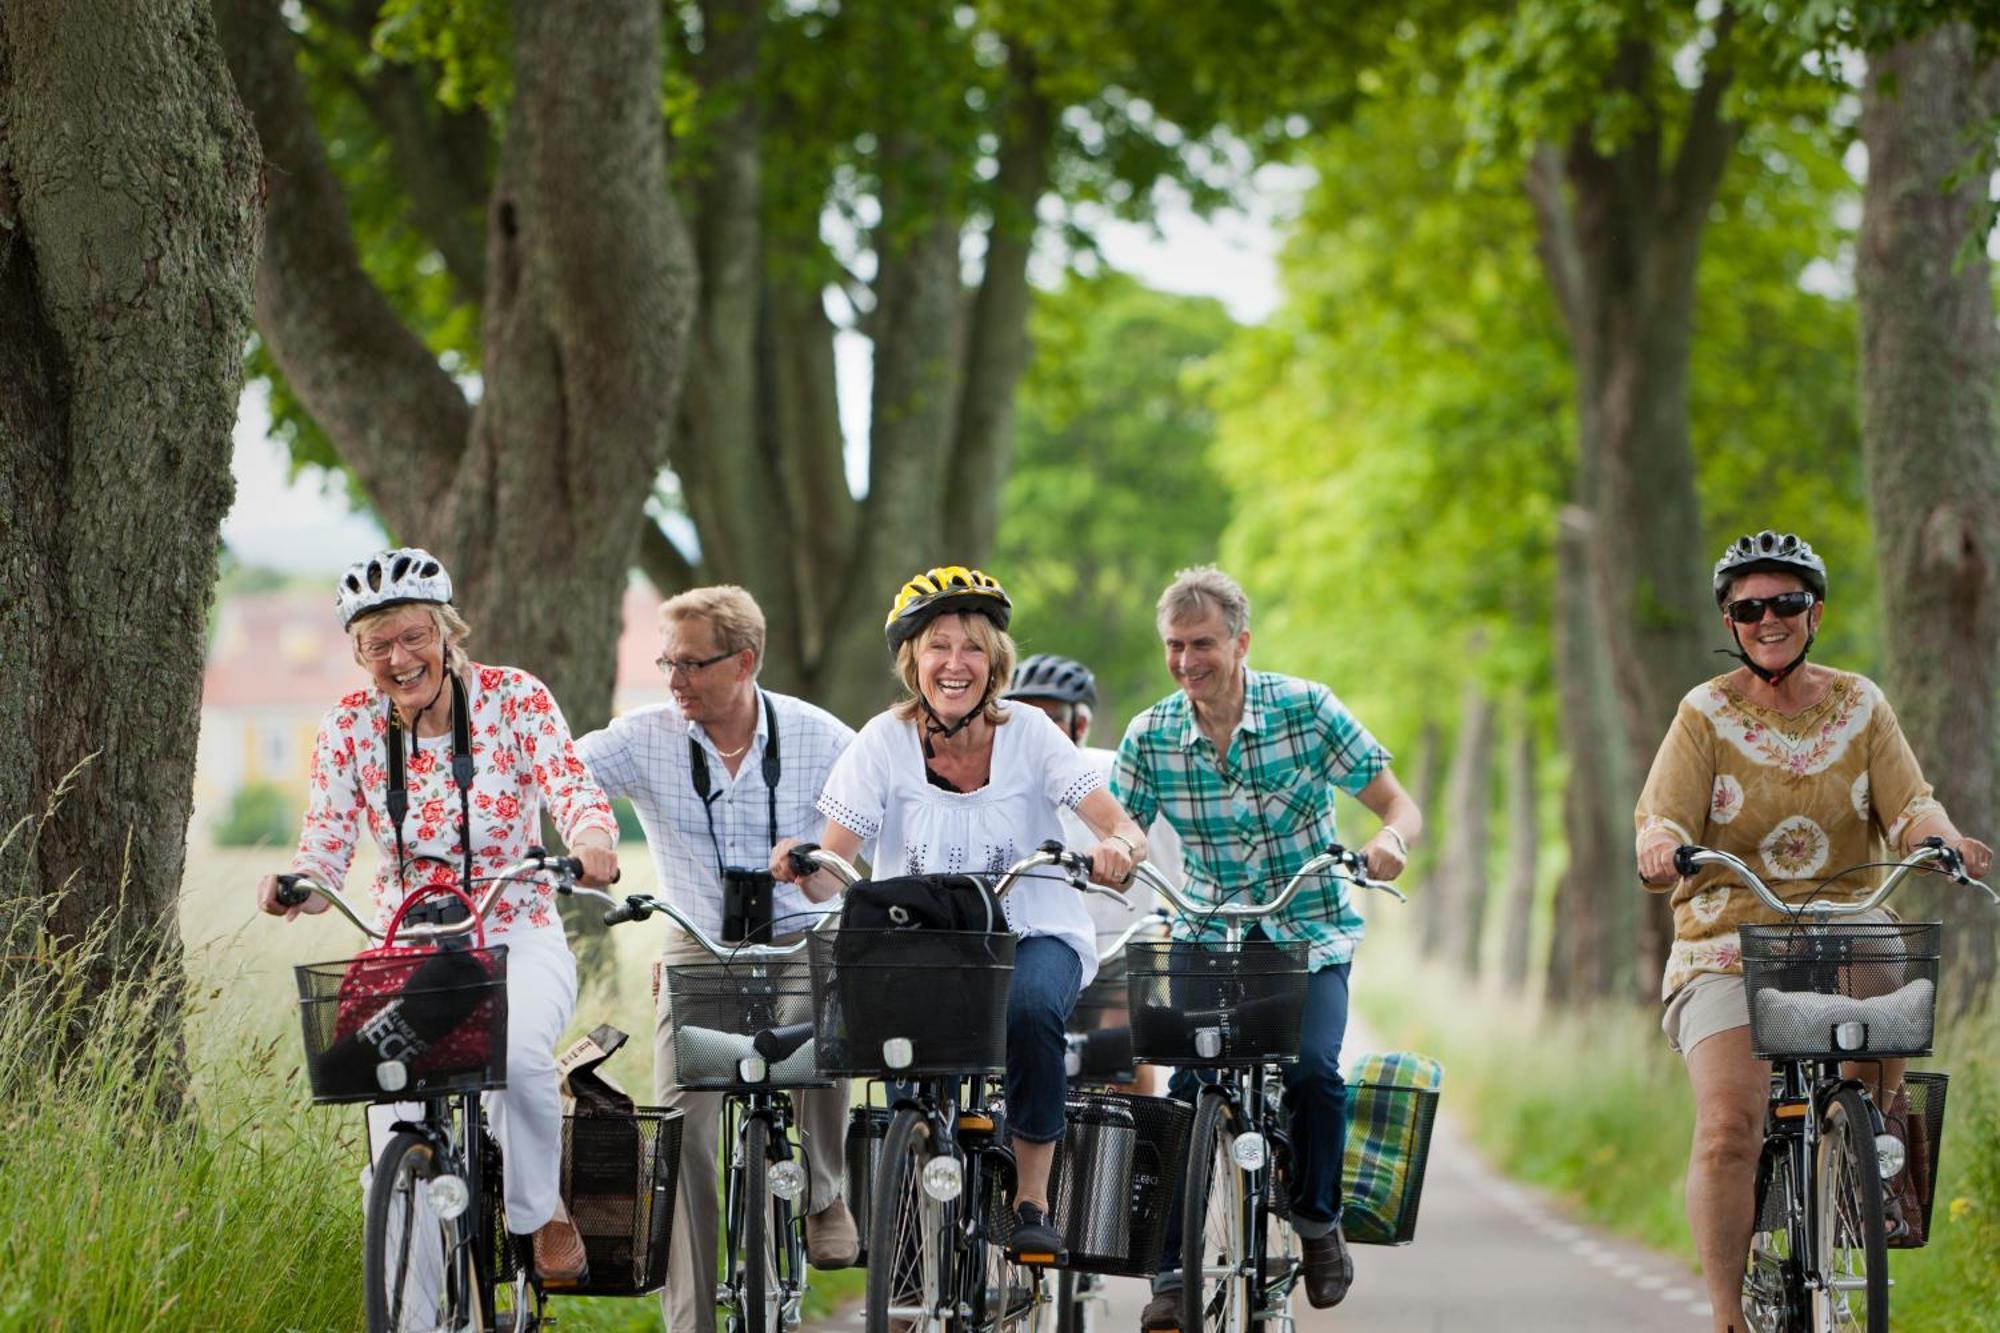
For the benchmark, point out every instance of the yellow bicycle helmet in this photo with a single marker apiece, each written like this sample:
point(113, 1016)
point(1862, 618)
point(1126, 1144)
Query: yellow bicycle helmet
point(944, 589)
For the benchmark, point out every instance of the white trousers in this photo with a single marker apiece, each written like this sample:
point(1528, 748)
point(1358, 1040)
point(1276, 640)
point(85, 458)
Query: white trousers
point(526, 1115)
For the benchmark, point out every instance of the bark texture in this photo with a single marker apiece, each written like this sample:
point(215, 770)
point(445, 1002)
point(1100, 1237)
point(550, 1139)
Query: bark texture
point(535, 498)
point(1523, 848)
point(1468, 794)
point(1930, 368)
point(1620, 230)
point(129, 219)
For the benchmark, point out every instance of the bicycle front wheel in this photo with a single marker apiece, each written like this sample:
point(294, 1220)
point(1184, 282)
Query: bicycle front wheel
point(416, 1265)
point(757, 1287)
point(1216, 1276)
point(1853, 1252)
point(1773, 1279)
point(909, 1234)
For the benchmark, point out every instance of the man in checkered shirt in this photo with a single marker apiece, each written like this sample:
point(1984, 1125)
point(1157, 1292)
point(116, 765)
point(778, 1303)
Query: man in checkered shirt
point(698, 772)
point(1244, 764)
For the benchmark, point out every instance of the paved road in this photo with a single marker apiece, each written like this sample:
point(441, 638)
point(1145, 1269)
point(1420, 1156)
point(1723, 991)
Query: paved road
point(1490, 1256)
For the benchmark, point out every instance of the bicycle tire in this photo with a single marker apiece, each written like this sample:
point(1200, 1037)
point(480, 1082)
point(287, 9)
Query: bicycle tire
point(1774, 1295)
point(1216, 1281)
point(909, 1236)
point(1853, 1250)
point(757, 1285)
point(416, 1267)
point(1073, 1303)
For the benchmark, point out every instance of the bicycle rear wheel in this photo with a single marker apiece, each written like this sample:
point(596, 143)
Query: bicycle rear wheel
point(1773, 1280)
point(909, 1235)
point(417, 1267)
point(1217, 1280)
point(1853, 1250)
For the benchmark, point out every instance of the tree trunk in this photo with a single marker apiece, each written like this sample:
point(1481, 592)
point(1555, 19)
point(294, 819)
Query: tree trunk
point(1468, 795)
point(1589, 955)
point(1930, 364)
point(1523, 844)
point(129, 218)
point(536, 499)
point(1427, 781)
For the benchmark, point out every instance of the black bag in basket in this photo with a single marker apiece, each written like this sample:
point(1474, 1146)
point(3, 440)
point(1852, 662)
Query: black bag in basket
point(882, 925)
point(923, 902)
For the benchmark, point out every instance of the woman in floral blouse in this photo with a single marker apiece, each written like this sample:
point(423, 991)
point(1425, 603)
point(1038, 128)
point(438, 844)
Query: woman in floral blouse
point(1801, 771)
point(396, 607)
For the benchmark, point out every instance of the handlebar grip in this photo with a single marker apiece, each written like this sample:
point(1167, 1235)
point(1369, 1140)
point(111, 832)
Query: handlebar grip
point(801, 858)
point(289, 893)
point(618, 916)
point(1684, 865)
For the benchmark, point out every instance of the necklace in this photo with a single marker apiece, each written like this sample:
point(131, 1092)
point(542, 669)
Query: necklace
point(731, 754)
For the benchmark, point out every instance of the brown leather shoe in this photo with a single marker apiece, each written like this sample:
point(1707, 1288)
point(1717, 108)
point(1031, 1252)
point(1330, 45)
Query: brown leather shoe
point(560, 1260)
point(1329, 1268)
point(832, 1241)
point(1163, 1313)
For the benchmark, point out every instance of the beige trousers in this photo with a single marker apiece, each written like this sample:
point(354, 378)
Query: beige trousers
point(821, 1113)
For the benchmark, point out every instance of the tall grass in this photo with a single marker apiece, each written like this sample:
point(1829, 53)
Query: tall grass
point(1595, 1108)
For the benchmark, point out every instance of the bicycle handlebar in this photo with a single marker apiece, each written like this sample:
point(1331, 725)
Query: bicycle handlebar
point(294, 889)
point(1335, 858)
point(639, 906)
point(1689, 858)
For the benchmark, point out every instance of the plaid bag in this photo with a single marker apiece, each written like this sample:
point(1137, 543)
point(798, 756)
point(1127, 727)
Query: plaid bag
point(1387, 1138)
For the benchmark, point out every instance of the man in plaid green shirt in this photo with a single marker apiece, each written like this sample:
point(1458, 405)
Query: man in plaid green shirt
point(1244, 764)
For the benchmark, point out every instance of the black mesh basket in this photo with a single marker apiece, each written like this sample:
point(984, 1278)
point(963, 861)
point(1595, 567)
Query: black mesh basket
point(1197, 1004)
point(1388, 1148)
point(1862, 990)
point(1924, 1135)
point(405, 1026)
point(938, 997)
point(619, 1178)
point(1138, 1149)
point(721, 1010)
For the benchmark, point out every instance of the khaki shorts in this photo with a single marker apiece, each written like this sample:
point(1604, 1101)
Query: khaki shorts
point(1713, 1002)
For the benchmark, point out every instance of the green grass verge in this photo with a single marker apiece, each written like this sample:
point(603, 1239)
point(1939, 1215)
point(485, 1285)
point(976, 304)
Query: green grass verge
point(1595, 1108)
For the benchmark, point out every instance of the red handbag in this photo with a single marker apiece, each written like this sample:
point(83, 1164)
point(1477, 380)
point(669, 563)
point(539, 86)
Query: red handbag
point(444, 1001)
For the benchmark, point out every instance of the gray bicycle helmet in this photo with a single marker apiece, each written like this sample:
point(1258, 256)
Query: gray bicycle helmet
point(390, 578)
point(1047, 676)
point(1770, 552)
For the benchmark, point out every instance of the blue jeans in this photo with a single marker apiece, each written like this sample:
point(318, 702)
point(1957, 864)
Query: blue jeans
point(1047, 976)
point(1316, 1096)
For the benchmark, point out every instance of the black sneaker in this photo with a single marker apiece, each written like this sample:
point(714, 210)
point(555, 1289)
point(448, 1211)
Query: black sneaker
point(1163, 1313)
point(1034, 1241)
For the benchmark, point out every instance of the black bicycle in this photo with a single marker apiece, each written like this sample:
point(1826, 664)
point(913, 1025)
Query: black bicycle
point(1823, 994)
point(430, 1028)
point(742, 1027)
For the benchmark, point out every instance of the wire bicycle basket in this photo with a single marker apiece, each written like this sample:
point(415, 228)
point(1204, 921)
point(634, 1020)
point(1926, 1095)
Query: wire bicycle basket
point(723, 1013)
point(1841, 990)
point(1200, 1003)
point(911, 1003)
point(405, 1025)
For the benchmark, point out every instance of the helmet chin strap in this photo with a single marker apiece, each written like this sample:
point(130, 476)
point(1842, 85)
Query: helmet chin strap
point(1771, 678)
point(937, 726)
point(435, 695)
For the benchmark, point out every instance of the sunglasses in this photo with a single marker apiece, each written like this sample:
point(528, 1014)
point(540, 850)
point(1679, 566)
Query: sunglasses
point(1750, 610)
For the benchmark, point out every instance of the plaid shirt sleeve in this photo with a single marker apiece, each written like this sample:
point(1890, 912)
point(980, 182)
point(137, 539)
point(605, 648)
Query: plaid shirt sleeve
point(1350, 757)
point(1131, 784)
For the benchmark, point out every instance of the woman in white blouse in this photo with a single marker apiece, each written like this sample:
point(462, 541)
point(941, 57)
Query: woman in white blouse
point(954, 780)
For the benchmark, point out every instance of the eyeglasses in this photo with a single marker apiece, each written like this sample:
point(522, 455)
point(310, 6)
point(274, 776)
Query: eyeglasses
point(669, 665)
point(413, 641)
point(1750, 610)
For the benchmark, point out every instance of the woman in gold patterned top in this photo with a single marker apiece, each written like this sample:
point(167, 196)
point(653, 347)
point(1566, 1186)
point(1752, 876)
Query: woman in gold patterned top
point(1801, 771)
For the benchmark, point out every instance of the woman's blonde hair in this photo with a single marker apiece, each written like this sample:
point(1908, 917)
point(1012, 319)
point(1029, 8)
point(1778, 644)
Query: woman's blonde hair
point(999, 649)
point(450, 624)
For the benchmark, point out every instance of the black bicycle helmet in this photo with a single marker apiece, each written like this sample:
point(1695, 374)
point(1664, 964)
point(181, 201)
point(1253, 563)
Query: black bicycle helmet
point(1047, 676)
point(944, 589)
point(1770, 552)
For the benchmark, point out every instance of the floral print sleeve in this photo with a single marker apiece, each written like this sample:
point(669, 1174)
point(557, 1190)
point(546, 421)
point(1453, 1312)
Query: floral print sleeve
point(576, 803)
point(335, 805)
point(1893, 790)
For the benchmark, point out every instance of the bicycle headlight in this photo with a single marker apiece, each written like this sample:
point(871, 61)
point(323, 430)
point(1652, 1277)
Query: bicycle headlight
point(787, 1180)
point(1248, 1151)
point(1890, 1155)
point(943, 1178)
point(448, 1196)
point(897, 1053)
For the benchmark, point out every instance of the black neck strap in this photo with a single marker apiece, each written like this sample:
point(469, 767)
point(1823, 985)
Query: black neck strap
point(698, 775)
point(397, 798)
point(1771, 678)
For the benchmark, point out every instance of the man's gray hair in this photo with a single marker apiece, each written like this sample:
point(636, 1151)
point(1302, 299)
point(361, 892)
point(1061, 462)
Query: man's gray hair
point(1194, 590)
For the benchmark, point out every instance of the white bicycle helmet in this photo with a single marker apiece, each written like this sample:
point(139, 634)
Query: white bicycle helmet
point(390, 578)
